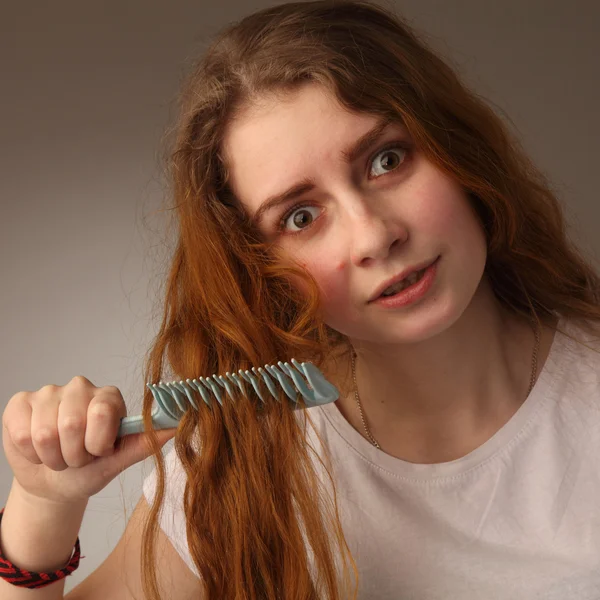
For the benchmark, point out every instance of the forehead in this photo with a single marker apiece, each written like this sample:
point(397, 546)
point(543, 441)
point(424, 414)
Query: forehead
point(281, 140)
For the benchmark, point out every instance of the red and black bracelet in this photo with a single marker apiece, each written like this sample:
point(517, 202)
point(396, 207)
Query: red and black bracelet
point(28, 579)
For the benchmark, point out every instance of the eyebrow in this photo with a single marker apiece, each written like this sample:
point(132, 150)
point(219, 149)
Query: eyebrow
point(307, 184)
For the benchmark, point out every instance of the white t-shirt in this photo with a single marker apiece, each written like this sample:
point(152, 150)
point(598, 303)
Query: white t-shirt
point(516, 519)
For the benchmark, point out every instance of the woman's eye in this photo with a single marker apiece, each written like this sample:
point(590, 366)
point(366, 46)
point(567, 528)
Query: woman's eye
point(299, 220)
point(389, 164)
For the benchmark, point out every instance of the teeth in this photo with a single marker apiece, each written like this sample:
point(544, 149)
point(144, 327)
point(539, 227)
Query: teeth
point(406, 282)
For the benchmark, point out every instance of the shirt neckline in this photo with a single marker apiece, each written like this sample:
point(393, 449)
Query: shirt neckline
point(503, 438)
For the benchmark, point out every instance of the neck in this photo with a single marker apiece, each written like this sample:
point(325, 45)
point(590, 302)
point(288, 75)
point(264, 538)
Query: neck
point(437, 399)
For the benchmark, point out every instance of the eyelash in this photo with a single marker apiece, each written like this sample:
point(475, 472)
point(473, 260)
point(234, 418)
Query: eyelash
point(391, 146)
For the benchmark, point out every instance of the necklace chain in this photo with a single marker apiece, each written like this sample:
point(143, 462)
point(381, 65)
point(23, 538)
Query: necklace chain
point(362, 416)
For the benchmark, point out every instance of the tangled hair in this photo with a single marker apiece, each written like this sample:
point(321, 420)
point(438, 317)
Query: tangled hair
point(255, 506)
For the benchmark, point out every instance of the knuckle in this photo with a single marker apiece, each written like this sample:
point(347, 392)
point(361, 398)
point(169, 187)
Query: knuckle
point(72, 423)
point(14, 407)
point(101, 417)
point(45, 436)
point(49, 388)
point(21, 438)
point(80, 381)
point(110, 395)
point(102, 411)
point(18, 398)
point(112, 389)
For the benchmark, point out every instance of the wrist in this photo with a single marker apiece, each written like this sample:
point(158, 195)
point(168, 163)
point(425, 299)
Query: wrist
point(34, 577)
point(46, 505)
point(38, 535)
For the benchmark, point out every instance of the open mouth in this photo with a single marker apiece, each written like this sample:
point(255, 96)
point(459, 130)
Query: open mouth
point(410, 289)
point(406, 282)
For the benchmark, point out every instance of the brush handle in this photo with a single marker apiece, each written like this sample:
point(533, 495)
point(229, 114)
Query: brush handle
point(135, 424)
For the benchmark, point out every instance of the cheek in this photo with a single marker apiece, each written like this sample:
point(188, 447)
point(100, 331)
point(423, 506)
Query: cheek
point(436, 214)
point(332, 280)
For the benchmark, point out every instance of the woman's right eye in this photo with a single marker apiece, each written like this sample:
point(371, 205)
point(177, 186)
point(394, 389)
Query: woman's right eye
point(299, 212)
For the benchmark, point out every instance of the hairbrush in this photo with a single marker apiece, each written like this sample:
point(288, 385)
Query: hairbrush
point(174, 398)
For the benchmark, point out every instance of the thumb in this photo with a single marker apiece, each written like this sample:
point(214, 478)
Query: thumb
point(133, 448)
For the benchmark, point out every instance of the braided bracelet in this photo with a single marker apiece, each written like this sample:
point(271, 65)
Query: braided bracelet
point(24, 578)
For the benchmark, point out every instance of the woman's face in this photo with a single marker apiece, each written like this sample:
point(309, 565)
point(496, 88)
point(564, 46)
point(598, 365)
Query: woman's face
point(364, 220)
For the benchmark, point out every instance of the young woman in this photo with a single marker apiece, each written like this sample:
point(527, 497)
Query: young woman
point(343, 198)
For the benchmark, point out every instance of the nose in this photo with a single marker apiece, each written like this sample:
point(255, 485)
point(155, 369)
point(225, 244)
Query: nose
point(374, 230)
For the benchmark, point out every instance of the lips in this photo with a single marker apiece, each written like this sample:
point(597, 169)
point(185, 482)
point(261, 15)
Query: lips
point(400, 277)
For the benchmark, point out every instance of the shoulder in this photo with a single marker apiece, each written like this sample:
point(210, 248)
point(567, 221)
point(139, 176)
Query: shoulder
point(578, 344)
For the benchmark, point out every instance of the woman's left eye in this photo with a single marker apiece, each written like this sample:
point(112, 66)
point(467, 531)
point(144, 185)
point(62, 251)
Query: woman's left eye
point(386, 151)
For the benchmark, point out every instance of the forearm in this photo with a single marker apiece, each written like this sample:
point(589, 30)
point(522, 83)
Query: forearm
point(38, 536)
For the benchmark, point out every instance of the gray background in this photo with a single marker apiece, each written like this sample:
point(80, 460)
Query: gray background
point(88, 92)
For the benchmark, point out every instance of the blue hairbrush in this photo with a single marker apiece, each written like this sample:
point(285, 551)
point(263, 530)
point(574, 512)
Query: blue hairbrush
point(174, 398)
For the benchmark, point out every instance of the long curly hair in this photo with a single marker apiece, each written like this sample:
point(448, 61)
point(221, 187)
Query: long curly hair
point(260, 524)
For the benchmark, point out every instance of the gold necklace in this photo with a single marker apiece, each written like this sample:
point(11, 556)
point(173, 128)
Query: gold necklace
point(362, 416)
